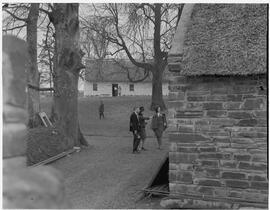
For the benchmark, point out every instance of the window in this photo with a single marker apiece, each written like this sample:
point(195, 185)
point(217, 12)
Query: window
point(131, 87)
point(94, 86)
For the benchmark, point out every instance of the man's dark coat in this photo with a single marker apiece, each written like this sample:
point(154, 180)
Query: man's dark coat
point(134, 123)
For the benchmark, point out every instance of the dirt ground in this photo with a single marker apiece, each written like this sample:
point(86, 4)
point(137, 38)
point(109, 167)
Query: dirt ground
point(107, 174)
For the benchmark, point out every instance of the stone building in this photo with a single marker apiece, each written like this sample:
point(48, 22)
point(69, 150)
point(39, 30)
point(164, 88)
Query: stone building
point(110, 78)
point(218, 107)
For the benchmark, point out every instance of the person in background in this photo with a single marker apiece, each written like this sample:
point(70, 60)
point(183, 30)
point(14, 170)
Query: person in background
point(159, 124)
point(119, 90)
point(142, 121)
point(134, 127)
point(101, 110)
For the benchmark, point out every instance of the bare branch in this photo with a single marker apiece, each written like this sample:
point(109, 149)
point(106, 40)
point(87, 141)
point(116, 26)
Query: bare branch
point(19, 31)
point(14, 16)
point(16, 27)
point(148, 16)
point(123, 43)
point(117, 51)
point(146, 73)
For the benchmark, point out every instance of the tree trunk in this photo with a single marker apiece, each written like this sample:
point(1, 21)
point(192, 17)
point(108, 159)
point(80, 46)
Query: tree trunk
point(159, 64)
point(33, 74)
point(157, 95)
point(81, 138)
point(66, 69)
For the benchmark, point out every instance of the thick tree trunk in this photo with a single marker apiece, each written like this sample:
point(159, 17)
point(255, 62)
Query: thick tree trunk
point(66, 69)
point(157, 95)
point(33, 74)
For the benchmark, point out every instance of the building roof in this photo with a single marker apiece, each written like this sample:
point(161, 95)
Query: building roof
point(224, 39)
point(110, 70)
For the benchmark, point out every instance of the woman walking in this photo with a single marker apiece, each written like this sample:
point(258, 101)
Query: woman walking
point(142, 121)
point(159, 124)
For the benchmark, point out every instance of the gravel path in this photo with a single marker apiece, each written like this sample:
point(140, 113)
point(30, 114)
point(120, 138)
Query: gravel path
point(108, 175)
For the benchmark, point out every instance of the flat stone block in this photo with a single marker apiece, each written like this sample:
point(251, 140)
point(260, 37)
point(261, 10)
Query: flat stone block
point(247, 123)
point(196, 98)
point(187, 137)
point(253, 166)
point(254, 104)
point(240, 115)
point(242, 157)
point(237, 184)
point(209, 163)
point(206, 190)
point(232, 105)
point(233, 175)
point(207, 182)
point(216, 113)
point(213, 106)
point(228, 164)
point(260, 114)
point(234, 97)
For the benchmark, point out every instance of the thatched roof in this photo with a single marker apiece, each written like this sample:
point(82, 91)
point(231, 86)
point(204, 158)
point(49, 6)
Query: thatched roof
point(226, 39)
point(110, 70)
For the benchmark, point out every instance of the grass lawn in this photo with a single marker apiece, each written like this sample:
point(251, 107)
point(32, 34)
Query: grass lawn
point(42, 143)
point(106, 174)
point(117, 113)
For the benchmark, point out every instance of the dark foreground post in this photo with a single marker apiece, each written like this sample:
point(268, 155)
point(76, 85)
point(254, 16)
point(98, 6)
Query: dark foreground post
point(23, 188)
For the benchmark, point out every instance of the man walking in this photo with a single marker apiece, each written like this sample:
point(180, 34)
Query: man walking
point(101, 110)
point(142, 121)
point(135, 129)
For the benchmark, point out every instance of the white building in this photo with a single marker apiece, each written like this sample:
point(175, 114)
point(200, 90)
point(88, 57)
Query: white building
point(109, 78)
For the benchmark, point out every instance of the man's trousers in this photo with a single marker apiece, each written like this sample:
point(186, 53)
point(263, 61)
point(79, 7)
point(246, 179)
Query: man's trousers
point(136, 142)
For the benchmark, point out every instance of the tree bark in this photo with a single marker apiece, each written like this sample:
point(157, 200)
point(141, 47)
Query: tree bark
point(157, 95)
point(81, 138)
point(66, 71)
point(33, 74)
point(159, 63)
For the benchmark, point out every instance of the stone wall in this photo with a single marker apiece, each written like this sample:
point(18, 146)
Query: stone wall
point(23, 187)
point(218, 141)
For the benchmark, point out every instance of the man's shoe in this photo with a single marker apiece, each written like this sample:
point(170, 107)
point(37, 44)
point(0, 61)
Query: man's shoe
point(144, 149)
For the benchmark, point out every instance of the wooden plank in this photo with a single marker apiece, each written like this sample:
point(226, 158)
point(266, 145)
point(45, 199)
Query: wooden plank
point(54, 158)
point(45, 120)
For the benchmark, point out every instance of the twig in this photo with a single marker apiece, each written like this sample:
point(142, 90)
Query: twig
point(16, 27)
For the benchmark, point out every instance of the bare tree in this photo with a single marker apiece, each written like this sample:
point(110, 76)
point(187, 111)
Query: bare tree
point(144, 32)
point(94, 44)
